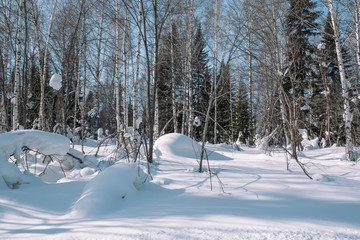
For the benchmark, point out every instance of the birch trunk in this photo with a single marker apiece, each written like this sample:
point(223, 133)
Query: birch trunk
point(98, 56)
point(215, 68)
point(135, 101)
point(349, 147)
point(249, 27)
point(42, 69)
point(189, 68)
point(173, 77)
point(15, 100)
point(78, 83)
point(153, 125)
point(5, 119)
point(124, 51)
point(357, 36)
point(118, 80)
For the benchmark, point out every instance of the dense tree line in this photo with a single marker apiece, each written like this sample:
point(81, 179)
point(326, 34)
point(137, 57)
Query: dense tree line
point(217, 71)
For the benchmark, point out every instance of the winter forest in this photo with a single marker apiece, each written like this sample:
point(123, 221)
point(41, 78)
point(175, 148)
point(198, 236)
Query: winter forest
point(217, 71)
point(179, 119)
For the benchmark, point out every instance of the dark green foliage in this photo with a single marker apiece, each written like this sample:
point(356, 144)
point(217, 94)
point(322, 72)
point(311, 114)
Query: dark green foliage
point(224, 101)
point(301, 26)
point(241, 114)
point(165, 70)
point(201, 80)
point(328, 109)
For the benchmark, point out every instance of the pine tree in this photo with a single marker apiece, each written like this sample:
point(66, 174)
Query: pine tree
point(224, 101)
point(167, 74)
point(164, 90)
point(330, 76)
point(241, 114)
point(301, 26)
point(201, 78)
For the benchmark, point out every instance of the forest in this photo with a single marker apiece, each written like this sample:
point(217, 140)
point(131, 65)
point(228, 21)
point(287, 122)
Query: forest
point(217, 71)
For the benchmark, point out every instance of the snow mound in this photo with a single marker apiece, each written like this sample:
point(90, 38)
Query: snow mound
point(13, 143)
point(103, 194)
point(177, 144)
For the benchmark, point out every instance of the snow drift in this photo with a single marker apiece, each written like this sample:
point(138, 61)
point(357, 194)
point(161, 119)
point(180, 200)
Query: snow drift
point(14, 143)
point(104, 193)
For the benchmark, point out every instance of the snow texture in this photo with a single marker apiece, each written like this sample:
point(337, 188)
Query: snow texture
point(55, 81)
point(104, 193)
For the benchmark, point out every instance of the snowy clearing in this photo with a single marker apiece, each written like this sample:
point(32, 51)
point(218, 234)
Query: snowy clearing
point(261, 199)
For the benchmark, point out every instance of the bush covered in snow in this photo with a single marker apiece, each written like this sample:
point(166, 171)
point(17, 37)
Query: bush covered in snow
point(14, 144)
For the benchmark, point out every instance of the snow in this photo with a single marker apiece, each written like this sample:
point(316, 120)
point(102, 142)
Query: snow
point(55, 81)
point(105, 192)
point(261, 199)
point(306, 142)
point(14, 143)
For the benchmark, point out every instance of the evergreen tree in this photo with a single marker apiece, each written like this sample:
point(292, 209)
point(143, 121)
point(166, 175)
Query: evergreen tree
point(301, 26)
point(165, 75)
point(241, 114)
point(164, 90)
point(329, 94)
point(201, 79)
point(224, 101)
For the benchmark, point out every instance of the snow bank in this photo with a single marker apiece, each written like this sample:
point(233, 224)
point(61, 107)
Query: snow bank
point(13, 143)
point(103, 194)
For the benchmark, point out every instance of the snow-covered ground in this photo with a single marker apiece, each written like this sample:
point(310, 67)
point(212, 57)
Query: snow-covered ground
point(256, 199)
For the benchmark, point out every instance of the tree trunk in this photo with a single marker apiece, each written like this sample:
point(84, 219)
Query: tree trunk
point(117, 76)
point(42, 69)
point(173, 77)
point(215, 67)
point(349, 147)
point(249, 28)
point(189, 68)
point(124, 52)
point(135, 101)
point(15, 100)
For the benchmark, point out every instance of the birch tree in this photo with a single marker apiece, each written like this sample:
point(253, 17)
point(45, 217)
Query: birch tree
point(42, 68)
point(15, 98)
point(349, 147)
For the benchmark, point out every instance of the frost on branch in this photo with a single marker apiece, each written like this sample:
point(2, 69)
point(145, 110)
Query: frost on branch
point(14, 144)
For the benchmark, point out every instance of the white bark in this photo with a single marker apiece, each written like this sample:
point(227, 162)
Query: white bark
point(5, 50)
point(349, 148)
point(118, 80)
point(15, 100)
point(124, 52)
point(215, 67)
point(42, 69)
point(173, 89)
point(155, 113)
point(189, 66)
point(135, 101)
point(249, 28)
point(78, 83)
